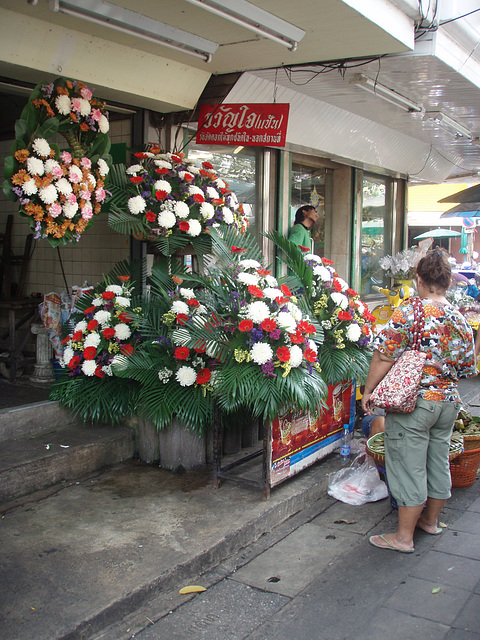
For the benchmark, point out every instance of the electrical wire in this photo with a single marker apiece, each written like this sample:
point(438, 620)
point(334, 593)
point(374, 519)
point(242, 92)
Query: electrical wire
point(459, 17)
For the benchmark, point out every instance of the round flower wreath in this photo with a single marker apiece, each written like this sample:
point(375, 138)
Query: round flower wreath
point(59, 192)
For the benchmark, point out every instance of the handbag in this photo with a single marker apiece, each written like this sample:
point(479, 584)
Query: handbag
point(397, 392)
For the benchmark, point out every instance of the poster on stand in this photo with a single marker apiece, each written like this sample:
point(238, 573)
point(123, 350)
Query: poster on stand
point(298, 440)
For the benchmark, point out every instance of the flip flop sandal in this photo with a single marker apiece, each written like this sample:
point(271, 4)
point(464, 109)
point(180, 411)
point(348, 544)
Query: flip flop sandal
point(388, 545)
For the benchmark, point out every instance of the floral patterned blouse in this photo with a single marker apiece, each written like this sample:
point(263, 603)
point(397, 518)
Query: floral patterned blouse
point(447, 340)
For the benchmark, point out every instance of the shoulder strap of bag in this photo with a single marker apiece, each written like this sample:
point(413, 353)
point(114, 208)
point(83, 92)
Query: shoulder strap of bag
point(418, 323)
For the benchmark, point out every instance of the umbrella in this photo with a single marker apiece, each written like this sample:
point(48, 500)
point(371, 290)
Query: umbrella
point(438, 233)
point(466, 210)
point(472, 194)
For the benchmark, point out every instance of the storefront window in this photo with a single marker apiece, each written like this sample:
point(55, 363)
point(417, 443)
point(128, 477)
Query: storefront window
point(376, 236)
point(308, 187)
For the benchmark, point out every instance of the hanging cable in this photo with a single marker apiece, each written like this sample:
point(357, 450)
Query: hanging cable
point(63, 272)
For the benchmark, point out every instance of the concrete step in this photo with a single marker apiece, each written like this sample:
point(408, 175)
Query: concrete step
point(33, 463)
point(31, 419)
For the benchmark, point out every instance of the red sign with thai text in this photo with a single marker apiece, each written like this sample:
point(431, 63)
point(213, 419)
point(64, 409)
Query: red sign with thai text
point(253, 124)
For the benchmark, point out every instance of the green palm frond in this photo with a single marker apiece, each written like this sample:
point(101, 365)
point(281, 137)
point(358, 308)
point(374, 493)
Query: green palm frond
point(344, 364)
point(123, 222)
point(225, 238)
point(293, 259)
point(117, 182)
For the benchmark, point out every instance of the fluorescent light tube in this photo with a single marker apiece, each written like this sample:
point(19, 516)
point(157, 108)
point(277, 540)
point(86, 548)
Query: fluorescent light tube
point(448, 123)
point(387, 94)
point(135, 24)
point(258, 20)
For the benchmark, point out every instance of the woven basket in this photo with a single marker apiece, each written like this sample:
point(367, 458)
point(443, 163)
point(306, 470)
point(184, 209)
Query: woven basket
point(464, 468)
point(376, 449)
point(471, 441)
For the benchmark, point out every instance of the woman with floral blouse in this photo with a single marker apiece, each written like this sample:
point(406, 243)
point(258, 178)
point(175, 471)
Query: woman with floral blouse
point(417, 444)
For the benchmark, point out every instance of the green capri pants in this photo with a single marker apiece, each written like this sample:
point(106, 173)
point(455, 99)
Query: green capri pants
point(416, 452)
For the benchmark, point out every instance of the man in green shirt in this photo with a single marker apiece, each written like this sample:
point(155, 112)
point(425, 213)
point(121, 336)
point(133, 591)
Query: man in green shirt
point(300, 233)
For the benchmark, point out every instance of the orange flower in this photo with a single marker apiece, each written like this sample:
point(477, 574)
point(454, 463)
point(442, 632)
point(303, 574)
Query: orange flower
point(21, 155)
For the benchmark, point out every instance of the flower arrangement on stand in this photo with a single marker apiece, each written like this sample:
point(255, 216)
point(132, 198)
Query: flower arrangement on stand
point(103, 331)
point(60, 193)
point(402, 266)
point(173, 202)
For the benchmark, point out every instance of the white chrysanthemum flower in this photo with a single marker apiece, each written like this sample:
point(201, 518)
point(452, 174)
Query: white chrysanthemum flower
point(257, 311)
point(162, 164)
point(35, 166)
point(312, 345)
point(339, 299)
point(322, 273)
point(187, 293)
point(115, 288)
point(122, 331)
point(97, 302)
point(85, 107)
point(80, 326)
point(181, 209)
point(102, 316)
point(195, 228)
point(193, 189)
point(311, 256)
point(180, 307)
point(162, 185)
point(296, 356)
point(295, 311)
point(29, 187)
point(227, 215)
point(63, 186)
point(103, 167)
point(201, 310)
point(207, 210)
point(212, 193)
point(272, 293)
point(92, 180)
point(164, 375)
point(63, 104)
point(353, 332)
point(248, 279)
point(360, 307)
point(250, 264)
point(48, 194)
point(220, 183)
point(166, 219)
point(186, 376)
point(69, 210)
point(89, 367)
point(103, 124)
point(134, 169)
point(271, 281)
point(193, 169)
point(92, 340)
point(287, 321)
point(343, 284)
point(41, 147)
point(52, 165)
point(261, 352)
point(136, 205)
point(122, 301)
point(68, 354)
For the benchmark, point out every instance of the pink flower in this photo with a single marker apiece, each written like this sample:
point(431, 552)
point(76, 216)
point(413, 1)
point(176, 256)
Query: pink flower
point(86, 93)
point(100, 195)
point(57, 172)
point(96, 114)
point(87, 212)
point(86, 163)
point(55, 210)
point(85, 195)
point(76, 104)
point(66, 157)
point(72, 198)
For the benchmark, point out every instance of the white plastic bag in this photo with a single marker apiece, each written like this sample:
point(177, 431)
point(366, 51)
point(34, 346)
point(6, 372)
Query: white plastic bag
point(358, 483)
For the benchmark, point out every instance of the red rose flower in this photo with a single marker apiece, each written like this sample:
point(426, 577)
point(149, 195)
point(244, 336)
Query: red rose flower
point(99, 372)
point(336, 285)
point(283, 354)
point(310, 355)
point(207, 165)
point(193, 303)
point(327, 261)
point(89, 353)
point(160, 195)
point(181, 353)
point(92, 325)
point(305, 249)
point(203, 376)
point(285, 290)
point(296, 338)
point(198, 198)
point(344, 315)
point(108, 295)
point(141, 155)
point(204, 173)
point(124, 278)
point(182, 318)
point(126, 349)
point(188, 177)
point(74, 362)
point(176, 157)
point(65, 340)
point(77, 336)
point(255, 291)
point(150, 216)
point(269, 325)
point(155, 149)
point(281, 300)
point(306, 327)
point(89, 310)
point(218, 201)
point(161, 171)
point(108, 333)
point(184, 226)
point(245, 325)
point(124, 317)
point(263, 272)
point(136, 179)
point(238, 250)
point(352, 292)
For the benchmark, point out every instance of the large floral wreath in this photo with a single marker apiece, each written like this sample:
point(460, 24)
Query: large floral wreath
point(59, 192)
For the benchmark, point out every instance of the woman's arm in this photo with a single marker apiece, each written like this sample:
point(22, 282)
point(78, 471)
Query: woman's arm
point(379, 367)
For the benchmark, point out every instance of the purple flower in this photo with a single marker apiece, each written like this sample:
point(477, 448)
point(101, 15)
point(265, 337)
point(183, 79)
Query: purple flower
point(268, 369)
point(275, 334)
